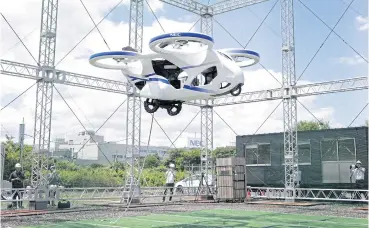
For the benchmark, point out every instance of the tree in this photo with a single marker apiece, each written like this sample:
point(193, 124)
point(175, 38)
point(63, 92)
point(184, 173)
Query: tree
point(182, 158)
point(152, 161)
point(12, 157)
point(305, 125)
point(224, 152)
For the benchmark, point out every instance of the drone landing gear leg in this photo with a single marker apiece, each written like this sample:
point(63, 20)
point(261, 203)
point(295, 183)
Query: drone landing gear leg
point(174, 109)
point(151, 106)
point(237, 90)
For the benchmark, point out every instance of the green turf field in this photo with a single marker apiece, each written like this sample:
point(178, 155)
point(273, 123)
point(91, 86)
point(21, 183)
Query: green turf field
point(220, 218)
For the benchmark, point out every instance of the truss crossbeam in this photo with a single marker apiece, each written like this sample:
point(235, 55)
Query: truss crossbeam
point(30, 71)
point(63, 77)
point(230, 5)
point(345, 85)
point(189, 5)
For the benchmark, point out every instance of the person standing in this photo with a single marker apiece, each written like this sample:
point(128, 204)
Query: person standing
point(53, 182)
point(170, 176)
point(359, 174)
point(17, 178)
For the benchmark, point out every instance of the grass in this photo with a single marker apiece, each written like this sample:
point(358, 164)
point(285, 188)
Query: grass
point(219, 218)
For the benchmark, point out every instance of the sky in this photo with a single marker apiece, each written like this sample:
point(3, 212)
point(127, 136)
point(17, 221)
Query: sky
point(334, 61)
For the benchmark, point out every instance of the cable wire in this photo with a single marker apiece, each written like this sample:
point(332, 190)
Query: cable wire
point(103, 125)
point(89, 33)
point(242, 47)
point(182, 132)
point(140, 172)
point(20, 40)
point(357, 115)
point(225, 123)
point(194, 24)
point(81, 124)
point(261, 24)
point(95, 24)
point(271, 29)
point(353, 9)
point(16, 44)
point(332, 31)
point(152, 11)
point(165, 134)
point(186, 127)
point(19, 95)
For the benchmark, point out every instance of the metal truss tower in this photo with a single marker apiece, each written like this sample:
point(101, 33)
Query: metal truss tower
point(133, 124)
point(206, 164)
point(289, 98)
point(44, 92)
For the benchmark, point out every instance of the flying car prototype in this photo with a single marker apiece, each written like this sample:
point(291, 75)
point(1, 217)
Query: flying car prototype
point(183, 67)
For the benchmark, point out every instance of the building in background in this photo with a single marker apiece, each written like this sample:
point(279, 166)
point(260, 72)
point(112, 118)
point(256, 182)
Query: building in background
point(84, 150)
point(324, 159)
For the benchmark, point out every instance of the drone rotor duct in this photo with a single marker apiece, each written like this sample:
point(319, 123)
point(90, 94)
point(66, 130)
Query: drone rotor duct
point(119, 60)
point(252, 57)
point(158, 43)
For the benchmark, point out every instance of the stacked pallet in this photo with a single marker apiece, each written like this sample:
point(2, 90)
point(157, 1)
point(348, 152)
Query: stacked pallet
point(231, 179)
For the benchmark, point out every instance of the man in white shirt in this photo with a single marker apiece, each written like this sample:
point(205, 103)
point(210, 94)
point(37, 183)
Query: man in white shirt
point(170, 176)
point(358, 173)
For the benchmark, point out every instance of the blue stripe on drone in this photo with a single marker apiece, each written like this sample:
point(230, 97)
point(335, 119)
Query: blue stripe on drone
point(241, 51)
point(148, 75)
point(159, 80)
point(107, 53)
point(198, 89)
point(136, 78)
point(181, 34)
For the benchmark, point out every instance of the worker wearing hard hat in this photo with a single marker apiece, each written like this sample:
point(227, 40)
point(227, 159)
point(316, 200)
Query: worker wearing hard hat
point(53, 179)
point(17, 178)
point(358, 173)
point(170, 176)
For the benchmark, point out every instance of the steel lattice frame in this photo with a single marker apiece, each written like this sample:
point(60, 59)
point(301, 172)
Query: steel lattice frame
point(206, 164)
point(44, 92)
point(46, 75)
point(133, 124)
point(289, 100)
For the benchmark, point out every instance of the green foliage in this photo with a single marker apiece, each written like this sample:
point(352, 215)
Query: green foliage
point(96, 175)
point(12, 157)
point(155, 177)
point(306, 125)
point(181, 158)
point(152, 161)
point(224, 152)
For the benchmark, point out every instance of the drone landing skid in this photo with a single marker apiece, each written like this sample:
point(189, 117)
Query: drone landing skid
point(173, 107)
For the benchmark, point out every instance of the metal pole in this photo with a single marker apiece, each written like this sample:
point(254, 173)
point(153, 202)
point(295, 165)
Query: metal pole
point(21, 142)
point(289, 98)
point(44, 91)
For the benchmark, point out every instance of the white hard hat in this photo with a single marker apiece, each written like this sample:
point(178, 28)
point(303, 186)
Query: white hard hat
point(171, 165)
point(18, 165)
point(358, 162)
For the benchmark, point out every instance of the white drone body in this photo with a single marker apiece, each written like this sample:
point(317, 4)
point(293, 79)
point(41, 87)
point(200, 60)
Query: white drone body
point(177, 72)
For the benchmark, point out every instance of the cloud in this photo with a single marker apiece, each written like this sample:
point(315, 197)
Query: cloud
point(363, 23)
point(351, 60)
point(94, 107)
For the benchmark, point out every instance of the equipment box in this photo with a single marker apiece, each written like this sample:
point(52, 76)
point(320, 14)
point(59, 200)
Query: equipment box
point(38, 205)
point(231, 179)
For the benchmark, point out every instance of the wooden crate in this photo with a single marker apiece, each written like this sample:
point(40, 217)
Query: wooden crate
point(231, 180)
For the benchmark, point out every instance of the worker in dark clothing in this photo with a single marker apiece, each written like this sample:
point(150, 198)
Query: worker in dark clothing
point(17, 178)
